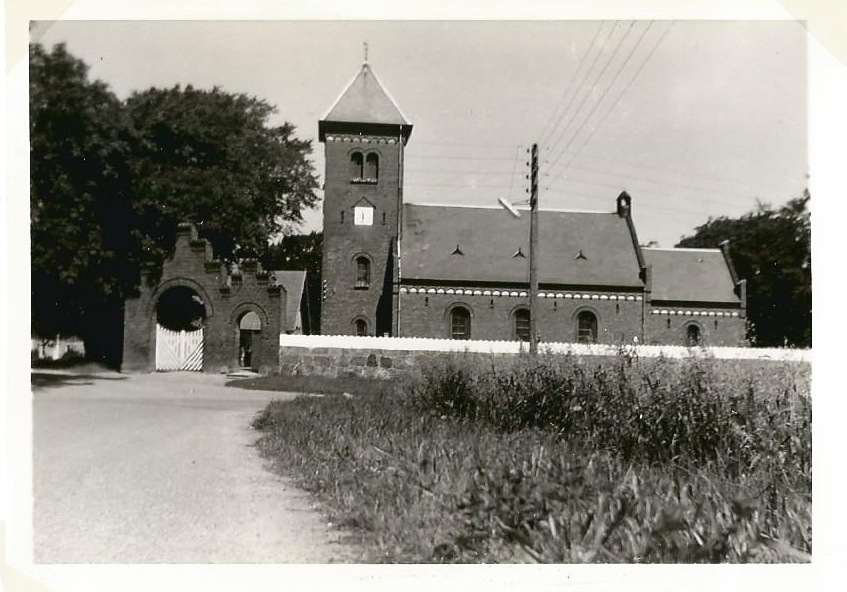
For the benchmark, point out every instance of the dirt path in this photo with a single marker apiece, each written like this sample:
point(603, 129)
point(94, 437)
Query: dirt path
point(160, 468)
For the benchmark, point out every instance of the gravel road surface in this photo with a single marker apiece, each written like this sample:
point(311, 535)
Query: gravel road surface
point(160, 468)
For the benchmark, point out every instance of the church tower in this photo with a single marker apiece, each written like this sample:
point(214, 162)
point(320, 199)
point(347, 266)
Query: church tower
point(364, 134)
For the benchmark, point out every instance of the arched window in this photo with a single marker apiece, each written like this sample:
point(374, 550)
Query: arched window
point(361, 327)
point(460, 323)
point(371, 167)
point(356, 163)
point(586, 327)
point(522, 325)
point(692, 335)
point(363, 272)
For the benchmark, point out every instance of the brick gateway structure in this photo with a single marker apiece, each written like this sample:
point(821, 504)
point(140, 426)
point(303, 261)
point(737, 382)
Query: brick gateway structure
point(200, 316)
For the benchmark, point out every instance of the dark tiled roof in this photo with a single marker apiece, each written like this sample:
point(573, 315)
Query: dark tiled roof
point(293, 283)
point(694, 275)
point(488, 239)
point(365, 101)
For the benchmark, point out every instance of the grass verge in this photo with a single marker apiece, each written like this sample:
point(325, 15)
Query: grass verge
point(562, 460)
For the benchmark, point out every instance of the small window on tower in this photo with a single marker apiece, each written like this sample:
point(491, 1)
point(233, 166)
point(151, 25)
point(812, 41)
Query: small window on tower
point(356, 164)
point(371, 168)
point(361, 327)
point(692, 335)
point(363, 272)
point(363, 216)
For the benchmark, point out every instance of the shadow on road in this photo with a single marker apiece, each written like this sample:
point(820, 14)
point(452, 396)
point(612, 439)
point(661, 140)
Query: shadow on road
point(43, 380)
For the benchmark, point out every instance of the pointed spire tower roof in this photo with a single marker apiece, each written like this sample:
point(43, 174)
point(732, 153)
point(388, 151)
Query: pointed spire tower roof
point(364, 103)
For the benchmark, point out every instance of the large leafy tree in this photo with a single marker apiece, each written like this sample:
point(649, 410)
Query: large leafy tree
point(301, 251)
point(771, 249)
point(83, 256)
point(111, 181)
point(211, 158)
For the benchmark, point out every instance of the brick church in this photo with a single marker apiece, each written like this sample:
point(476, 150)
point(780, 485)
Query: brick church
point(394, 267)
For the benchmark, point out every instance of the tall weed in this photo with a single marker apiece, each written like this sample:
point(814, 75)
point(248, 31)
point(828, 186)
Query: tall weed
point(562, 459)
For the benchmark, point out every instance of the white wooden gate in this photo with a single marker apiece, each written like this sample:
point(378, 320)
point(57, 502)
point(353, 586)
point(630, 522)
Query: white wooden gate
point(179, 350)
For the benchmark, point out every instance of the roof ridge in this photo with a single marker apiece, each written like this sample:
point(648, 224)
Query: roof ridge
point(497, 207)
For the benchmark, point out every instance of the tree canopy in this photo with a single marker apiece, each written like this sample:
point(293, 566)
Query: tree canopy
point(111, 180)
point(211, 158)
point(771, 249)
point(82, 251)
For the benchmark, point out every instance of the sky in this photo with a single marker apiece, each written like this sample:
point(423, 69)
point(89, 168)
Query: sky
point(692, 118)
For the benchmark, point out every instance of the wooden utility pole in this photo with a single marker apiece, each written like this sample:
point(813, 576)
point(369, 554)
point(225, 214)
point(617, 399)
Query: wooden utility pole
point(533, 253)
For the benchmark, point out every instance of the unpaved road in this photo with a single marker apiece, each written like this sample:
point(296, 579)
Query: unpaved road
point(160, 468)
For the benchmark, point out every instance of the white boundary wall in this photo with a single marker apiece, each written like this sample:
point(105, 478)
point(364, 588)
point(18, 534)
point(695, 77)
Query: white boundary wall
point(514, 347)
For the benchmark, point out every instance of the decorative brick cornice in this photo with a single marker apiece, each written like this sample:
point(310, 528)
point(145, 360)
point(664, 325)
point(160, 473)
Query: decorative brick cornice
point(693, 313)
point(360, 139)
point(518, 293)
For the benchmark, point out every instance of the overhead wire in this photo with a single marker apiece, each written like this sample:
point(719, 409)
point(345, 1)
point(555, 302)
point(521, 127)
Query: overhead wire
point(615, 104)
point(588, 72)
point(723, 179)
point(605, 92)
point(593, 85)
point(643, 204)
point(663, 183)
point(573, 78)
point(713, 178)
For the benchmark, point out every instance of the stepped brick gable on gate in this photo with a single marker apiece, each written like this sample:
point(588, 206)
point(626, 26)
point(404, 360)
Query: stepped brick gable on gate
point(235, 311)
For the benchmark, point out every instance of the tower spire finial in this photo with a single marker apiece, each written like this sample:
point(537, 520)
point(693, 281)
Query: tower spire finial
point(365, 47)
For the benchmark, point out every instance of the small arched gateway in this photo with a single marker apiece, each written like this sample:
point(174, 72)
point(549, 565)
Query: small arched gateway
point(199, 316)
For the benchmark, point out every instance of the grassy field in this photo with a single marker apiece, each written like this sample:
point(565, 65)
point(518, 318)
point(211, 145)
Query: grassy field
point(560, 459)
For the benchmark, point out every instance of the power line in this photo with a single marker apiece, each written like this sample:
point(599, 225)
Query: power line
point(460, 172)
point(514, 170)
point(725, 179)
point(617, 100)
point(584, 78)
point(571, 85)
point(459, 157)
point(462, 185)
point(642, 179)
point(605, 92)
point(467, 144)
point(593, 85)
point(646, 205)
point(621, 187)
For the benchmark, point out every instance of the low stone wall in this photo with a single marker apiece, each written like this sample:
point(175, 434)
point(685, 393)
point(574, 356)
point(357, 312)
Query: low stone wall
point(384, 357)
point(336, 361)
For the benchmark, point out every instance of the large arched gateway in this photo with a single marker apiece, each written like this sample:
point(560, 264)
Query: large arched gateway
point(180, 323)
point(199, 316)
